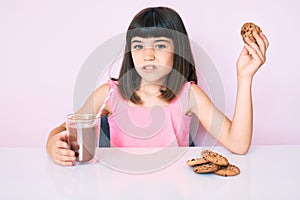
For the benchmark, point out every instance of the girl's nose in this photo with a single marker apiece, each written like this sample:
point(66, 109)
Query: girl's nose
point(149, 54)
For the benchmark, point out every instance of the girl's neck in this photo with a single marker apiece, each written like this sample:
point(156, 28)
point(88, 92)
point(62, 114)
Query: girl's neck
point(150, 94)
point(151, 88)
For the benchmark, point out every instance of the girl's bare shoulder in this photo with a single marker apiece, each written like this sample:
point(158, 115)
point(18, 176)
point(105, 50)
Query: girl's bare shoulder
point(196, 90)
point(198, 96)
point(103, 89)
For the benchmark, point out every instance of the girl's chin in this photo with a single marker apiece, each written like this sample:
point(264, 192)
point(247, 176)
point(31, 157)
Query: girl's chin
point(157, 80)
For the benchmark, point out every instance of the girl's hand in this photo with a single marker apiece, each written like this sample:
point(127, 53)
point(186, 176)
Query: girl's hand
point(58, 149)
point(252, 57)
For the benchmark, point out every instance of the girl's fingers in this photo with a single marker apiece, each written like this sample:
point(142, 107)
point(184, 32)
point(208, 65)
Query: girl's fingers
point(255, 49)
point(265, 39)
point(262, 41)
point(63, 163)
point(63, 155)
point(62, 136)
point(66, 158)
point(61, 144)
point(65, 152)
point(244, 52)
point(60, 151)
point(258, 59)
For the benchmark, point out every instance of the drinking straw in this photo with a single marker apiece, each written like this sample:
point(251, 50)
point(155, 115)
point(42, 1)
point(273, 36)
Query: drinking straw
point(104, 103)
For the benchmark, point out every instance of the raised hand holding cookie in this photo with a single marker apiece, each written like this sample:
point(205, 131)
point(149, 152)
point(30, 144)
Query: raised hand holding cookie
point(253, 54)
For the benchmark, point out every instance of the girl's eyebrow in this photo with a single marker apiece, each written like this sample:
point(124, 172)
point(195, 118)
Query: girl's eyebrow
point(158, 40)
point(138, 41)
point(162, 40)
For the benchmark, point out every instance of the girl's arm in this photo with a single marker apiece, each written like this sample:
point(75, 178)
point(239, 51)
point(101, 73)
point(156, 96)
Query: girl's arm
point(235, 135)
point(57, 146)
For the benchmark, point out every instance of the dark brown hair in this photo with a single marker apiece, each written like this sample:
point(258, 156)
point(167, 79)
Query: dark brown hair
point(158, 22)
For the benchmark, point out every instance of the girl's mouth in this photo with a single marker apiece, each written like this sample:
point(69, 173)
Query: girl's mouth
point(149, 68)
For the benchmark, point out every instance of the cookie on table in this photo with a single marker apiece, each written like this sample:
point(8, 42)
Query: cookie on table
point(230, 170)
point(247, 30)
point(196, 161)
point(206, 168)
point(215, 158)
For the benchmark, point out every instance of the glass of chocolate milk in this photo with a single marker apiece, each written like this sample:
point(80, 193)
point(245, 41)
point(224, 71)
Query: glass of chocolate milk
point(83, 136)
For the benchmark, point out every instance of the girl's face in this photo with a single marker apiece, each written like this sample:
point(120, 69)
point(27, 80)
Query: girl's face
point(152, 57)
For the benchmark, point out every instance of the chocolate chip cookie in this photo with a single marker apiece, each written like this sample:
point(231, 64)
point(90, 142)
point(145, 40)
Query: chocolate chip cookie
point(215, 158)
point(230, 170)
point(206, 168)
point(196, 161)
point(212, 162)
point(247, 31)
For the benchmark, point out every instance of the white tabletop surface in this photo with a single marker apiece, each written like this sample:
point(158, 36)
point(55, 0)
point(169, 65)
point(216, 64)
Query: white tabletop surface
point(267, 172)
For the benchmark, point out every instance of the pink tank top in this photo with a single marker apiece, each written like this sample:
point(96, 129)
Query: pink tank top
point(156, 126)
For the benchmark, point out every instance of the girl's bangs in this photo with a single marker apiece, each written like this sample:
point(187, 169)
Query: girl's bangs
point(147, 32)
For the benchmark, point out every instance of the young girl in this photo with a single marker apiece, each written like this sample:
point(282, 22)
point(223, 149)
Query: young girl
point(152, 101)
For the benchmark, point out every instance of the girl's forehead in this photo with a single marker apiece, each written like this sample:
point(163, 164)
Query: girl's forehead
point(150, 39)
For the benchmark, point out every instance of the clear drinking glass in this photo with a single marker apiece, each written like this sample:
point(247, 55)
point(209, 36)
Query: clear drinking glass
point(83, 136)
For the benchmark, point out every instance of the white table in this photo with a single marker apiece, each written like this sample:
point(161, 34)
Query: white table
point(267, 172)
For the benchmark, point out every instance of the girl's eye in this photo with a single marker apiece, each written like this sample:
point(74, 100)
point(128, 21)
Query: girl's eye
point(137, 47)
point(160, 46)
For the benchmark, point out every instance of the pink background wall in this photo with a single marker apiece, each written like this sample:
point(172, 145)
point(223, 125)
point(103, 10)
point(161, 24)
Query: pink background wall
point(43, 45)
